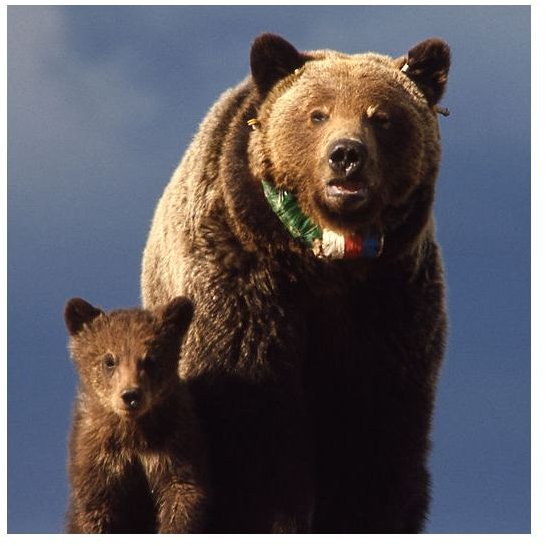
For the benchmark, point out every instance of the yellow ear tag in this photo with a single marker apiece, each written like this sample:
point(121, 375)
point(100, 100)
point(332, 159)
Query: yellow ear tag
point(253, 123)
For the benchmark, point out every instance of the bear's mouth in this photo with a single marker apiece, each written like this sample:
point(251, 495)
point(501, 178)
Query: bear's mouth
point(131, 413)
point(346, 192)
point(336, 188)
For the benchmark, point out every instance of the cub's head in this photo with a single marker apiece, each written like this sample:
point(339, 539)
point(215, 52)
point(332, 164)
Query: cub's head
point(127, 360)
point(353, 137)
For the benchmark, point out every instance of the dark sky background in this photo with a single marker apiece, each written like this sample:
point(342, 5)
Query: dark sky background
point(102, 102)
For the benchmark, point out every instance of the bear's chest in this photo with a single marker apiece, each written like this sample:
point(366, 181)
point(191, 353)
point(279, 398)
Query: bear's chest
point(369, 335)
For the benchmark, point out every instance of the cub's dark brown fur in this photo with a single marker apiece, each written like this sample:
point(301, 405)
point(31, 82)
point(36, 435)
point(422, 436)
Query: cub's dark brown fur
point(137, 455)
point(315, 378)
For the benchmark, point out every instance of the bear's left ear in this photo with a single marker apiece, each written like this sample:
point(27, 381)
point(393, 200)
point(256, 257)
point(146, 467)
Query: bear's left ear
point(271, 59)
point(177, 314)
point(427, 64)
point(78, 313)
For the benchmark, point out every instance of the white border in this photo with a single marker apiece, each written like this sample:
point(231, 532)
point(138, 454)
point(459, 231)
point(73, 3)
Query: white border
point(538, 272)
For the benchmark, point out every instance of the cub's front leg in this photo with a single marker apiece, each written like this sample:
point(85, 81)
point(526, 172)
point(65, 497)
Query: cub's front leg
point(97, 493)
point(180, 497)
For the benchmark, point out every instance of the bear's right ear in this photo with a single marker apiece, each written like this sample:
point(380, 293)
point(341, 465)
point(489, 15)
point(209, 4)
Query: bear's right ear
point(271, 59)
point(77, 313)
point(177, 314)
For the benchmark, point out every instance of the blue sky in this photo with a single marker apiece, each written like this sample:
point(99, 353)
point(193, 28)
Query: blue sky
point(101, 104)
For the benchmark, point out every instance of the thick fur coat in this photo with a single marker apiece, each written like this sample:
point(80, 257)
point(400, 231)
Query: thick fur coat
point(314, 378)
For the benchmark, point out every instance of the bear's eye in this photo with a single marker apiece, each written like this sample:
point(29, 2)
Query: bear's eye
point(109, 362)
point(148, 362)
point(318, 117)
point(381, 120)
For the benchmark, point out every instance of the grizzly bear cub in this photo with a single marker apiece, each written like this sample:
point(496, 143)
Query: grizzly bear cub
point(137, 456)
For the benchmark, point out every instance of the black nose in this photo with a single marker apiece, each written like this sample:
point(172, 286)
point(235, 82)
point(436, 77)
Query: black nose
point(132, 397)
point(347, 156)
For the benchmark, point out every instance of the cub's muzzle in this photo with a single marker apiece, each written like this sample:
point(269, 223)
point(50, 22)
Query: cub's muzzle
point(132, 398)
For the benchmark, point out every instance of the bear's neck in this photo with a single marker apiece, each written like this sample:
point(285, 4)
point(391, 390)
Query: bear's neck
point(324, 243)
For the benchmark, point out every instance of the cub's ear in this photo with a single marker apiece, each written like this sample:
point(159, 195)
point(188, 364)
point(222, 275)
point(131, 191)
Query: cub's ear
point(271, 59)
point(427, 64)
point(78, 313)
point(177, 314)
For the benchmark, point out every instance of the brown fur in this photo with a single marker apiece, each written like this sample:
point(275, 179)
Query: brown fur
point(315, 379)
point(140, 469)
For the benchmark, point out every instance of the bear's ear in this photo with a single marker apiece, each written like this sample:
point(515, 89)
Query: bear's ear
point(177, 314)
point(427, 64)
point(271, 59)
point(78, 313)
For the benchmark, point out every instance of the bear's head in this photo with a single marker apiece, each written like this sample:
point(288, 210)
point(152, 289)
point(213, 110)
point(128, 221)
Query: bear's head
point(353, 137)
point(127, 360)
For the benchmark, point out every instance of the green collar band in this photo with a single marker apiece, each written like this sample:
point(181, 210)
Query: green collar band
point(323, 242)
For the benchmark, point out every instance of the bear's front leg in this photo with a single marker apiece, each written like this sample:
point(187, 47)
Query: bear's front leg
point(259, 454)
point(108, 491)
point(95, 498)
point(180, 500)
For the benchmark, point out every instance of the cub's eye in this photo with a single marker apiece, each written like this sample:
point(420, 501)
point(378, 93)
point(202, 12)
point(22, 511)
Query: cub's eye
point(318, 117)
point(109, 362)
point(148, 362)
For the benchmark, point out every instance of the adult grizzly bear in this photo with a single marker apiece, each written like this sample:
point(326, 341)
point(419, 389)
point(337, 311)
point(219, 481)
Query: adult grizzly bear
point(299, 221)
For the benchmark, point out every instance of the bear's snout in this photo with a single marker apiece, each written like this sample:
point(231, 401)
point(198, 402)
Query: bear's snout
point(347, 184)
point(132, 398)
point(347, 157)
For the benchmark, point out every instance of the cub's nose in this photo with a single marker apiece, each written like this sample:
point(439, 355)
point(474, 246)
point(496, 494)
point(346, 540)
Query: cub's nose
point(347, 156)
point(132, 397)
